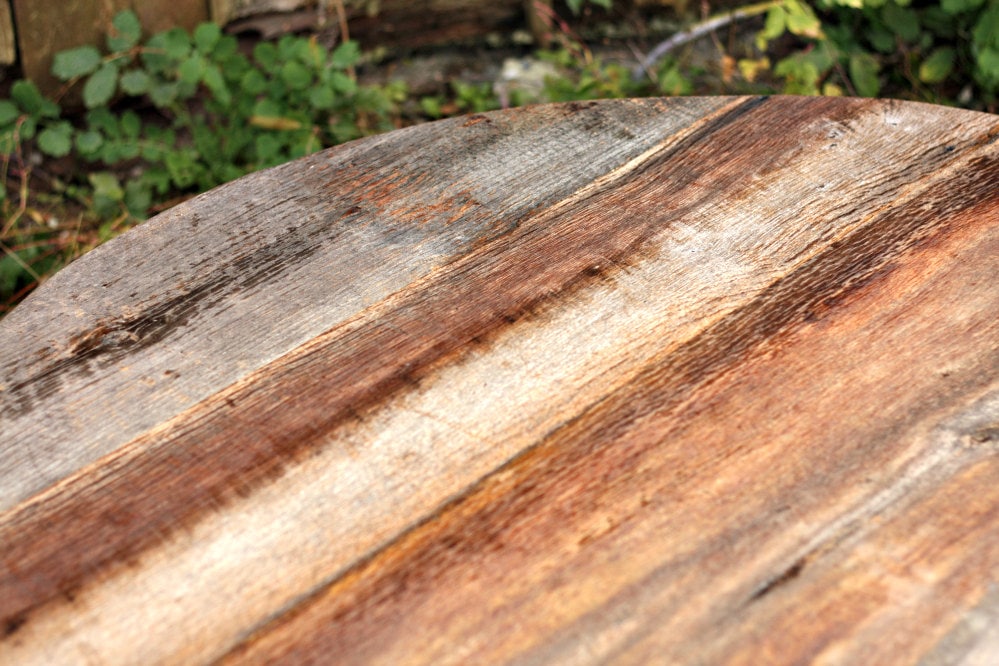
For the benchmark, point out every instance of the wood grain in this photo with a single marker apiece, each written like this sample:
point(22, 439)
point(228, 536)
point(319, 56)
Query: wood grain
point(703, 380)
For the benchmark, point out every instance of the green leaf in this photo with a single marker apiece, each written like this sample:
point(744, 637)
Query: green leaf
point(105, 184)
point(126, 31)
point(253, 82)
point(28, 128)
point(958, 6)
point(214, 81)
point(431, 106)
point(296, 75)
point(8, 143)
point(8, 112)
point(881, 39)
point(902, 20)
point(988, 67)
point(89, 143)
point(207, 143)
point(104, 121)
point(986, 32)
point(774, 26)
point(801, 20)
point(265, 54)
point(234, 67)
point(108, 196)
point(317, 54)
point(672, 81)
point(110, 152)
point(154, 56)
point(322, 98)
point(101, 86)
point(226, 48)
point(864, 70)
point(800, 73)
point(206, 36)
point(268, 149)
point(229, 172)
point(176, 44)
point(937, 66)
point(192, 69)
point(164, 95)
point(56, 140)
point(574, 5)
point(268, 108)
point(183, 168)
point(135, 82)
point(80, 61)
point(293, 48)
point(138, 198)
point(128, 150)
point(131, 124)
point(26, 94)
point(158, 178)
point(345, 55)
point(12, 271)
point(152, 152)
point(342, 83)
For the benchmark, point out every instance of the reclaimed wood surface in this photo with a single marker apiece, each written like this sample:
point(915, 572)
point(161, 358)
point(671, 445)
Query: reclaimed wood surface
point(701, 380)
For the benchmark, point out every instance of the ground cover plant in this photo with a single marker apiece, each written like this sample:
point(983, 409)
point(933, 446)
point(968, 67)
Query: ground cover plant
point(168, 115)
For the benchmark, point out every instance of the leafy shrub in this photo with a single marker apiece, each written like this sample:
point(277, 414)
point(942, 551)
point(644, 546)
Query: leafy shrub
point(221, 113)
point(179, 112)
point(945, 51)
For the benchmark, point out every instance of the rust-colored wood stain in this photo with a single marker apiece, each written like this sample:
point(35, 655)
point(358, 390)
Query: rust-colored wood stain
point(705, 380)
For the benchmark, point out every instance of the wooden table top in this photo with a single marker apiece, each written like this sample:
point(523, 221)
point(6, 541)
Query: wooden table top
point(698, 380)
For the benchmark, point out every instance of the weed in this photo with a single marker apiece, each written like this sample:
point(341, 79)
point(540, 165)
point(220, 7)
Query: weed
point(180, 112)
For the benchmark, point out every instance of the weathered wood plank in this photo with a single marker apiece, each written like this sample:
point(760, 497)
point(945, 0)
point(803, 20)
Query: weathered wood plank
point(8, 45)
point(223, 11)
point(687, 380)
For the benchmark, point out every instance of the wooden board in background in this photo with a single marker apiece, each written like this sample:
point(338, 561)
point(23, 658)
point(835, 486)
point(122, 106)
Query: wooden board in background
point(8, 44)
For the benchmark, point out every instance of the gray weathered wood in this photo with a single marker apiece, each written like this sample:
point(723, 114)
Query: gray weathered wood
point(702, 380)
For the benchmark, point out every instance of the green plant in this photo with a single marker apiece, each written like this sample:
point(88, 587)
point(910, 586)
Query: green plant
point(589, 77)
point(577, 5)
point(219, 113)
point(226, 114)
point(179, 112)
point(945, 51)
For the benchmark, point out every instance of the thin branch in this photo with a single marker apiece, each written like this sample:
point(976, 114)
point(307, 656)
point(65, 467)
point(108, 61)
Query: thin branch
point(341, 15)
point(17, 260)
point(697, 31)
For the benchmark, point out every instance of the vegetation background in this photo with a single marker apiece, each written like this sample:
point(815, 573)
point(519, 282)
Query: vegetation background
point(143, 121)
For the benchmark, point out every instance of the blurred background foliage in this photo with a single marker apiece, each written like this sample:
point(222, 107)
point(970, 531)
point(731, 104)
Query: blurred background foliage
point(143, 121)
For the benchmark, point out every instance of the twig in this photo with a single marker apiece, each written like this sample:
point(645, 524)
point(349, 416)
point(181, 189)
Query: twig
point(698, 31)
point(25, 174)
point(17, 260)
point(570, 40)
point(341, 15)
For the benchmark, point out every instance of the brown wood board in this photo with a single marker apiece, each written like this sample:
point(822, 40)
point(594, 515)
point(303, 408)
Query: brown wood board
point(700, 380)
point(8, 45)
